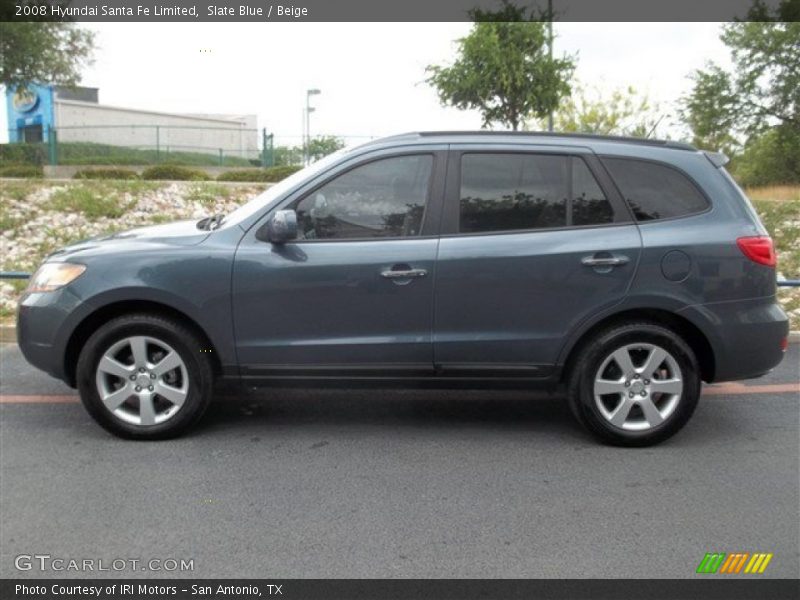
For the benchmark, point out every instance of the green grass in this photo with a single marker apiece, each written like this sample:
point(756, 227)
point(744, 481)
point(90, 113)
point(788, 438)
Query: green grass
point(207, 194)
point(93, 201)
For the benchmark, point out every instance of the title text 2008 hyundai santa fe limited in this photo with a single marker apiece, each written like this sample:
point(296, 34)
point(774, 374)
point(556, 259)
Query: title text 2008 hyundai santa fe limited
point(621, 272)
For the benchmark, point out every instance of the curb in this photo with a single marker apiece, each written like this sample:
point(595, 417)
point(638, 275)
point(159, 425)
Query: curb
point(8, 334)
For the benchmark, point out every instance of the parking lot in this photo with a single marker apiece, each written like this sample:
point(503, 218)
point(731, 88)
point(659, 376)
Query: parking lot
point(360, 483)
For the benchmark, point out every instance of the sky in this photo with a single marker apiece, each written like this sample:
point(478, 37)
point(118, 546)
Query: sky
point(371, 75)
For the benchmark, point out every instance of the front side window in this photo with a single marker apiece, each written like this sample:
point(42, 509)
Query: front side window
point(380, 199)
point(655, 191)
point(507, 192)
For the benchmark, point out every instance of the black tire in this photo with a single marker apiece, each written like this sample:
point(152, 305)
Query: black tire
point(181, 339)
point(593, 354)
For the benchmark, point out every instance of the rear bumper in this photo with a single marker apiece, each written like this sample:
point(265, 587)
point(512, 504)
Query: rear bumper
point(746, 336)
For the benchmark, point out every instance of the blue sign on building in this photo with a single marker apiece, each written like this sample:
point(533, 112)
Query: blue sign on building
point(30, 112)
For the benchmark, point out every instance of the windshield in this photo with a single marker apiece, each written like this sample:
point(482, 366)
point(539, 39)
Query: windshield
point(264, 200)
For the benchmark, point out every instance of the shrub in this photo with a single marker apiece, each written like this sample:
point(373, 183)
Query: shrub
point(27, 171)
point(110, 173)
point(270, 174)
point(174, 172)
point(23, 154)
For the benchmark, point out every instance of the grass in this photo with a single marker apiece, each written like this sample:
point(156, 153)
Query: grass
point(774, 193)
point(208, 194)
point(93, 204)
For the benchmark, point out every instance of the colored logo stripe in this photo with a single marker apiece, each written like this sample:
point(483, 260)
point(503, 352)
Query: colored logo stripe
point(734, 562)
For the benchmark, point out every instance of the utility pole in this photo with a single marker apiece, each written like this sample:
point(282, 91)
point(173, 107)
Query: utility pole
point(309, 110)
point(550, 49)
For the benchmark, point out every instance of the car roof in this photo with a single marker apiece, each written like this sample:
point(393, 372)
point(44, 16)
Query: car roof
point(516, 137)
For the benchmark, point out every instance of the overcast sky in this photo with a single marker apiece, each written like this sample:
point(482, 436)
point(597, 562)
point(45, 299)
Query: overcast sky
point(371, 74)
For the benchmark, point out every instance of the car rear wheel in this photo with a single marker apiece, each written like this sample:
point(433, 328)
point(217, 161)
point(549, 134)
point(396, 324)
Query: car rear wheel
point(635, 384)
point(145, 377)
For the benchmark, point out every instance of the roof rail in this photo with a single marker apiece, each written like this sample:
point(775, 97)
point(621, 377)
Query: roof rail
point(591, 136)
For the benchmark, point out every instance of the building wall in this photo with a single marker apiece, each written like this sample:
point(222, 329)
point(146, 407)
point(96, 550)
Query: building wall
point(87, 122)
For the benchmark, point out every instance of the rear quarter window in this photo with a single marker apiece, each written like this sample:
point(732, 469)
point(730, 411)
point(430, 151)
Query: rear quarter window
point(655, 191)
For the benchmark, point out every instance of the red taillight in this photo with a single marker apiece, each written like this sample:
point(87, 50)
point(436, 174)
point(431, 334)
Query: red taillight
point(785, 344)
point(758, 248)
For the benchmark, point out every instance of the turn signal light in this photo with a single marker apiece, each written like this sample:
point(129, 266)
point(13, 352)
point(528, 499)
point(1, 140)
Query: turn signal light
point(759, 249)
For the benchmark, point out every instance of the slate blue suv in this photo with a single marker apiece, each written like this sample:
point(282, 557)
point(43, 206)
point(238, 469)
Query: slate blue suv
point(622, 272)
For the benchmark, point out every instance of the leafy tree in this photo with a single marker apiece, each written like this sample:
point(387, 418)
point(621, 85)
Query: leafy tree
point(503, 68)
point(318, 147)
point(43, 52)
point(322, 145)
point(753, 110)
point(622, 112)
point(711, 110)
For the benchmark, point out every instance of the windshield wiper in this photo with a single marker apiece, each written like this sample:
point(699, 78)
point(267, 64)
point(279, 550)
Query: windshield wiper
point(209, 223)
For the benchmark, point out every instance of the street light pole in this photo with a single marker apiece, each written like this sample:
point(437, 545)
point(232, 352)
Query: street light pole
point(309, 110)
point(550, 49)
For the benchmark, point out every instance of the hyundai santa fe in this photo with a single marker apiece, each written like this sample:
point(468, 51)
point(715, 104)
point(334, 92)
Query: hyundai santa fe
point(620, 273)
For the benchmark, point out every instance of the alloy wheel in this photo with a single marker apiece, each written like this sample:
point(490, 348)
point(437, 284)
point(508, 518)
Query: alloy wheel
point(142, 380)
point(638, 387)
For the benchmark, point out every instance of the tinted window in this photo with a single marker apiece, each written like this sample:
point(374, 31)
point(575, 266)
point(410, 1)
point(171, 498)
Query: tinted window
point(589, 204)
point(655, 191)
point(505, 192)
point(384, 198)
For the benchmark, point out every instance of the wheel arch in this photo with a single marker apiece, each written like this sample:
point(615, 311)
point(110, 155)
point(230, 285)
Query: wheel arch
point(691, 333)
point(91, 322)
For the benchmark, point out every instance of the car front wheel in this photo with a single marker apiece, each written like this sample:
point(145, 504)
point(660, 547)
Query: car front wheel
point(145, 377)
point(634, 385)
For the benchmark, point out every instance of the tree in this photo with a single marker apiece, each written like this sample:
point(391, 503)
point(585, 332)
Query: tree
point(763, 88)
point(321, 146)
point(503, 68)
point(622, 112)
point(43, 52)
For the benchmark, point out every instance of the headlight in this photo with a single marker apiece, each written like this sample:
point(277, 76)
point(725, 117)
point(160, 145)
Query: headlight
point(52, 276)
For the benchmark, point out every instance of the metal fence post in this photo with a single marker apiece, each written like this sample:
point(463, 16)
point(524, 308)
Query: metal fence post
point(221, 158)
point(158, 144)
point(52, 146)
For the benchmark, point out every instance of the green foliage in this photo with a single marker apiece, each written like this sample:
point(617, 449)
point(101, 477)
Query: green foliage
point(27, 171)
point(208, 194)
point(41, 51)
point(753, 110)
point(23, 154)
point(270, 174)
point(288, 155)
point(504, 69)
point(622, 112)
point(321, 146)
point(110, 173)
point(92, 202)
point(174, 172)
point(711, 110)
point(89, 153)
point(772, 157)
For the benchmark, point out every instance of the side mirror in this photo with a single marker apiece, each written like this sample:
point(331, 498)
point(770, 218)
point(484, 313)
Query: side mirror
point(282, 227)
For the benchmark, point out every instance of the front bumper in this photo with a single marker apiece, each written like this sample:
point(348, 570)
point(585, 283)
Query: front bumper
point(43, 329)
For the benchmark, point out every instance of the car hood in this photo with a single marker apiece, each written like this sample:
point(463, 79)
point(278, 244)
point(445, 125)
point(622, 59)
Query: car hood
point(179, 233)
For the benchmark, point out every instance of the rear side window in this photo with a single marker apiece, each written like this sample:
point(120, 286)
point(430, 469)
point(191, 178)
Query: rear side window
point(508, 192)
point(655, 191)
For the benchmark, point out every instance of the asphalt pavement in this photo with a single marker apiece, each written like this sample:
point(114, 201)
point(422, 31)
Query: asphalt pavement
point(365, 483)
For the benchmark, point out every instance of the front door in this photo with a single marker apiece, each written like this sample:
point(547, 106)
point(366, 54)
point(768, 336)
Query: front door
point(353, 295)
point(532, 244)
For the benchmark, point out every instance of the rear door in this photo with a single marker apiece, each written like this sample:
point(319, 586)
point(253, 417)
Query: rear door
point(534, 241)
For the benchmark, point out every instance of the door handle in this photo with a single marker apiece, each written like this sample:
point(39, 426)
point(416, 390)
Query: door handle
point(405, 274)
point(604, 261)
